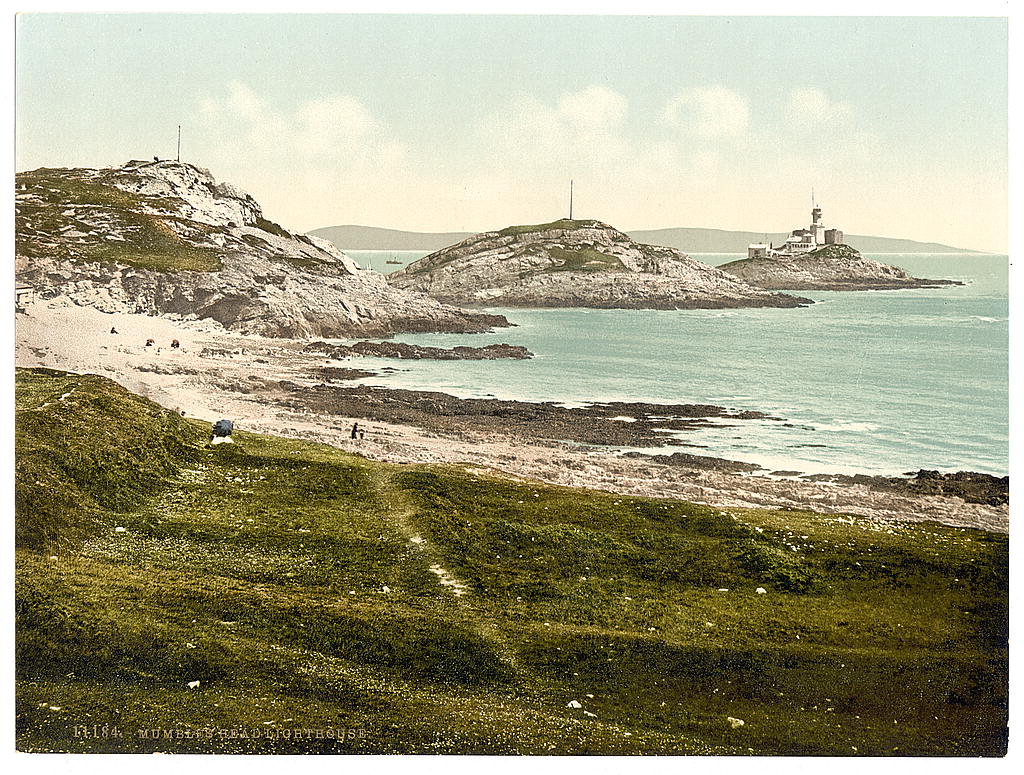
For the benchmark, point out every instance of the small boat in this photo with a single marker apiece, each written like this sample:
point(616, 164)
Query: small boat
point(392, 261)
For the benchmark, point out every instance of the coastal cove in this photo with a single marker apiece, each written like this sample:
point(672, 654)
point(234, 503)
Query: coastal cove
point(874, 382)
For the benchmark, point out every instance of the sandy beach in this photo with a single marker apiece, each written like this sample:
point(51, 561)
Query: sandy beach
point(254, 381)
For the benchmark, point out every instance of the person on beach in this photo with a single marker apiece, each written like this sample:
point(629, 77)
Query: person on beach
point(113, 330)
point(150, 342)
point(175, 344)
point(355, 430)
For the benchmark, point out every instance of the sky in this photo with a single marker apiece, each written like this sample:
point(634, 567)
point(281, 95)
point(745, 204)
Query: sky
point(467, 123)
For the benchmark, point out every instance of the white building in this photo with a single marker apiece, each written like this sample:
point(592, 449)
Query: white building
point(805, 240)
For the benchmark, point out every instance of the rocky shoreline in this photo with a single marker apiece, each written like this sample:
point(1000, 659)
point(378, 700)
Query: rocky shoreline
point(617, 424)
point(419, 352)
point(830, 268)
point(577, 263)
point(972, 486)
point(270, 385)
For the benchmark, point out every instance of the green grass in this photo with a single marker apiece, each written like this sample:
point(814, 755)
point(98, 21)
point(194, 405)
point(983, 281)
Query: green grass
point(156, 247)
point(562, 223)
point(259, 569)
point(582, 260)
point(150, 244)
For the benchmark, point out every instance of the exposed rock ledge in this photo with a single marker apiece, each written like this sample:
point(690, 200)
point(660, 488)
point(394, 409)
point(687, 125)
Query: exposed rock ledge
point(627, 424)
point(165, 237)
point(831, 268)
point(578, 263)
point(416, 352)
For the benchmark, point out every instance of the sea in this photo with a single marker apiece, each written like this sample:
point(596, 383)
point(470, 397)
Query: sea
point(872, 382)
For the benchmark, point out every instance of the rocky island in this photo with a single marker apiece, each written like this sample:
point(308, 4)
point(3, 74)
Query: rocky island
point(165, 237)
point(576, 263)
point(827, 268)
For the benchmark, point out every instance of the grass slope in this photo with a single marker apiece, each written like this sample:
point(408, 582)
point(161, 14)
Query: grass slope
point(149, 242)
point(306, 588)
point(583, 260)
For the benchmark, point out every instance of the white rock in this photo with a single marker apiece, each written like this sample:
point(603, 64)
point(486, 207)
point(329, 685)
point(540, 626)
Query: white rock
point(193, 684)
point(498, 266)
point(761, 591)
point(120, 529)
point(735, 723)
point(271, 283)
point(574, 704)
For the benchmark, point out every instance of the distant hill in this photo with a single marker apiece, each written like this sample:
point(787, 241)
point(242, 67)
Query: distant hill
point(720, 241)
point(687, 240)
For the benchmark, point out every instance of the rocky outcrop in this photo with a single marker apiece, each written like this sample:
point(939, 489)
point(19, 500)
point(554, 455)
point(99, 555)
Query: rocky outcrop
point(970, 486)
point(618, 423)
point(165, 237)
point(830, 268)
point(418, 352)
point(579, 263)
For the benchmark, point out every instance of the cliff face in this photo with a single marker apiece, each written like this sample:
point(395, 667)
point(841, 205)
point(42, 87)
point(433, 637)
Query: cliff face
point(830, 268)
point(165, 237)
point(579, 263)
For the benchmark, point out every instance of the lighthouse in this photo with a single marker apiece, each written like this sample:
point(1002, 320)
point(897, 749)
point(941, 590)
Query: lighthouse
point(815, 224)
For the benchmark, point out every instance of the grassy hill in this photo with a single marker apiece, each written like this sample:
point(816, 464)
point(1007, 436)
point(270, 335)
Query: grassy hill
point(445, 609)
point(689, 240)
point(53, 206)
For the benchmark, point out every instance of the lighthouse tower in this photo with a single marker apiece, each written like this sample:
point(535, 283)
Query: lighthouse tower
point(816, 227)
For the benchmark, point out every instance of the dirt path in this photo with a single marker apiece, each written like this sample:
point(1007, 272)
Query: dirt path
point(401, 512)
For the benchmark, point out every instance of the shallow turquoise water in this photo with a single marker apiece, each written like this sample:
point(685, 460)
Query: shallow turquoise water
point(884, 381)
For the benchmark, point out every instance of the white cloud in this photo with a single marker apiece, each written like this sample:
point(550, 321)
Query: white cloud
point(812, 106)
point(626, 177)
point(594, 107)
point(301, 163)
point(582, 131)
point(331, 160)
point(710, 111)
point(336, 133)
